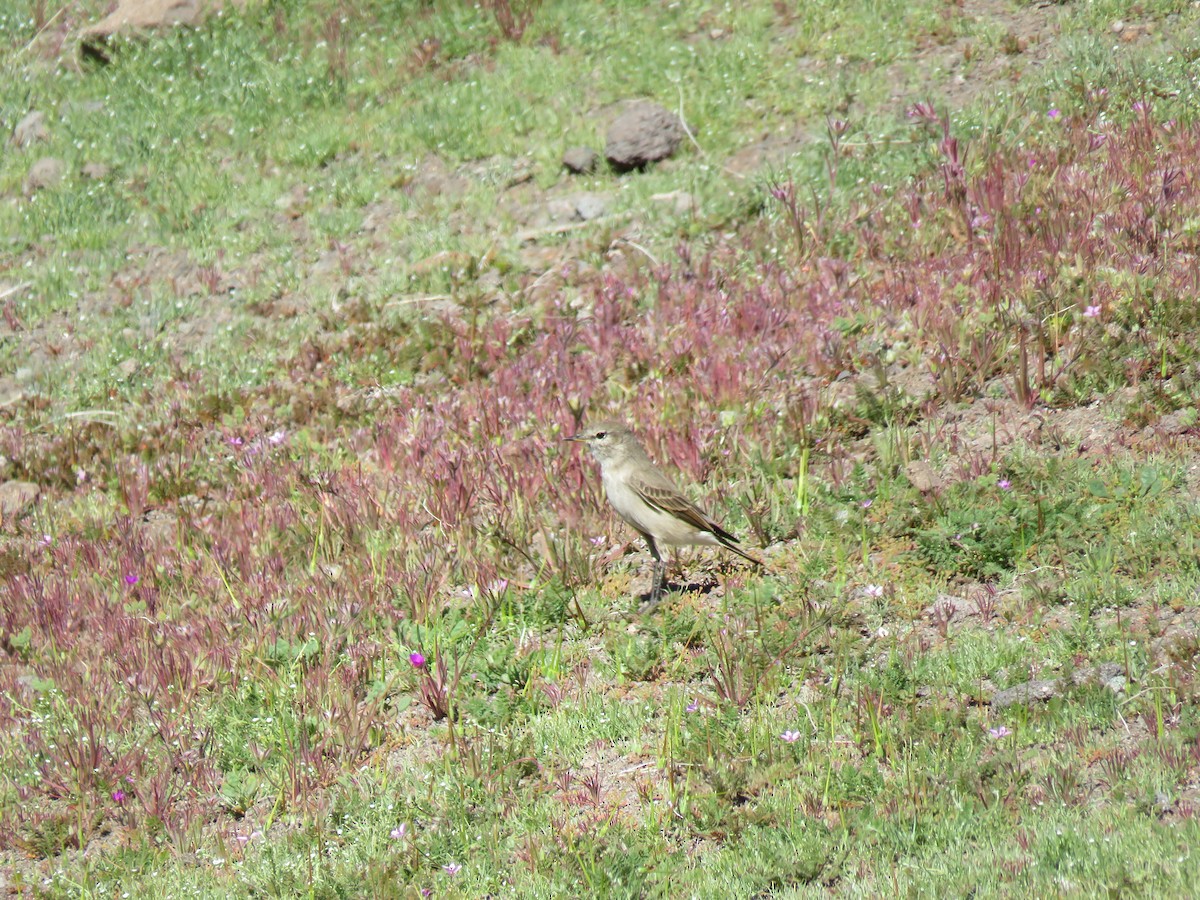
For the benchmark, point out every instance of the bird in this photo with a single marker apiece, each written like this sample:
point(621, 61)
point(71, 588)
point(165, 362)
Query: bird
point(649, 501)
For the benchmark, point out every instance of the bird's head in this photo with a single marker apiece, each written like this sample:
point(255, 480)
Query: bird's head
point(608, 440)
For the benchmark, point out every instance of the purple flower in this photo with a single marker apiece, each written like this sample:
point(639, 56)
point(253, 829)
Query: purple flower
point(452, 868)
point(131, 579)
point(1004, 484)
point(276, 438)
point(119, 796)
point(790, 736)
point(46, 540)
point(235, 441)
point(398, 833)
point(1092, 312)
point(693, 706)
point(417, 659)
point(1053, 114)
point(874, 591)
point(866, 504)
point(998, 732)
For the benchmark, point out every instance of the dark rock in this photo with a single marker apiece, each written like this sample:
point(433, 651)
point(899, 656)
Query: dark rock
point(644, 133)
point(581, 160)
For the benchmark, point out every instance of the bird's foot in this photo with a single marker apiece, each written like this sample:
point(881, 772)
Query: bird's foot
point(649, 603)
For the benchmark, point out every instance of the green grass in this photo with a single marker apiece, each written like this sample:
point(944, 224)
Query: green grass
point(292, 399)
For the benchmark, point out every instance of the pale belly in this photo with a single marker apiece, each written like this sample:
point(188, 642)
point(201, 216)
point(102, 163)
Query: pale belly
point(662, 526)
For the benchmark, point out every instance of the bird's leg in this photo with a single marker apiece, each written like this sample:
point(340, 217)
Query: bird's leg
point(660, 573)
point(656, 590)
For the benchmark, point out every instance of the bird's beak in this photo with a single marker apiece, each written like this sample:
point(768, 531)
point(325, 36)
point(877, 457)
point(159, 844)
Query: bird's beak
point(573, 437)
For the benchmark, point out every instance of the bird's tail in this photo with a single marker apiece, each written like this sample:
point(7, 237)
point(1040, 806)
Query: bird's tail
point(731, 545)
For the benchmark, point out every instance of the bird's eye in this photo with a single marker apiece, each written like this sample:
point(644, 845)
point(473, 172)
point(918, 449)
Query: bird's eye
point(601, 435)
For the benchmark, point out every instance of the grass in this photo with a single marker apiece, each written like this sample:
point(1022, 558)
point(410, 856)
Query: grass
point(315, 601)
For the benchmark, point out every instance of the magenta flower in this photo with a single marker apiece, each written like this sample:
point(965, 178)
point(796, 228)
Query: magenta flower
point(790, 736)
point(452, 868)
point(1092, 312)
point(398, 833)
point(235, 441)
point(118, 796)
point(693, 706)
point(417, 660)
point(1004, 484)
point(1053, 114)
point(131, 579)
point(998, 732)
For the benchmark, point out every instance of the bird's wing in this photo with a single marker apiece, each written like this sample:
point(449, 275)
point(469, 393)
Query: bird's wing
point(665, 496)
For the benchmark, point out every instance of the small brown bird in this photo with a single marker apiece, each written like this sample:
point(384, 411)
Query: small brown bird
point(648, 500)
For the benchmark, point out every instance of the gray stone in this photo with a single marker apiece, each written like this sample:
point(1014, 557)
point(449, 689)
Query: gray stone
point(555, 211)
point(922, 476)
point(1110, 676)
point(644, 133)
point(136, 18)
point(15, 498)
point(581, 160)
point(682, 203)
point(30, 129)
point(590, 206)
point(46, 172)
point(1044, 689)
